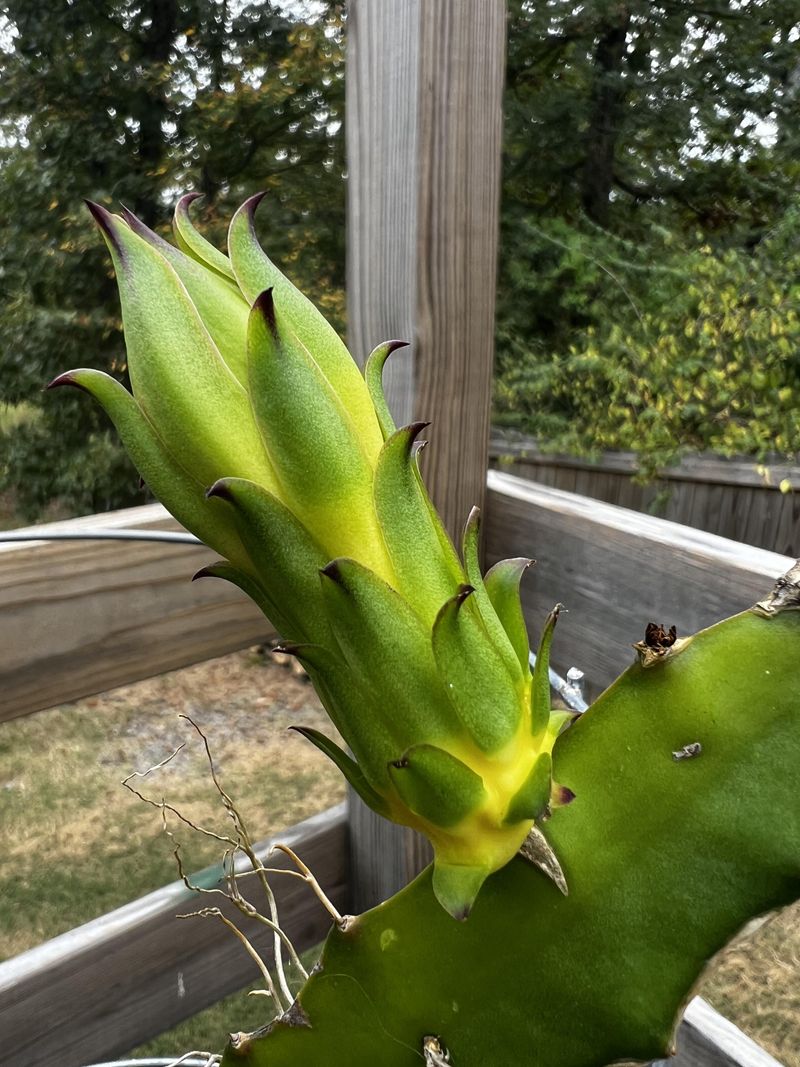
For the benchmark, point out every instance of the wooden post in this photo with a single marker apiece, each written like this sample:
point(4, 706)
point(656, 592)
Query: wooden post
point(424, 132)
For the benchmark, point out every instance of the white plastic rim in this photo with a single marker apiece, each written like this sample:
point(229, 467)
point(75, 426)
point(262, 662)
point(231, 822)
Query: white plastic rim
point(159, 1061)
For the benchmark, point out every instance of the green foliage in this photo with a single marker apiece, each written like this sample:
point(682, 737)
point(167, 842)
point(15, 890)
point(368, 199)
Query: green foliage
point(654, 121)
point(134, 102)
point(649, 258)
point(678, 349)
point(665, 859)
point(623, 111)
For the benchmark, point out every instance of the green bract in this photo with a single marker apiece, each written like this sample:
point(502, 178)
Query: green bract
point(253, 425)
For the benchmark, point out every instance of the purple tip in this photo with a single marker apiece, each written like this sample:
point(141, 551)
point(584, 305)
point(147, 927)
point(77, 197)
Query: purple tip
point(288, 650)
point(149, 235)
point(105, 220)
point(129, 216)
point(393, 346)
point(333, 571)
point(264, 304)
point(410, 434)
point(304, 732)
point(67, 378)
point(450, 609)
point(250, 205)
point(220, 489)
point(463, 592)
point(211, 570)
point(186, 199)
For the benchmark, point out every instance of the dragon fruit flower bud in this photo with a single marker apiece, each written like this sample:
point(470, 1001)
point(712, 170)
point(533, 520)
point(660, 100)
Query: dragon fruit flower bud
point(253, 425)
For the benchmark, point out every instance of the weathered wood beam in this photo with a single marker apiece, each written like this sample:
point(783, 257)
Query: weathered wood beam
point(616, 570)
point(424, 129)
point(702, 467)
point(731, 497)
point(81, 617)
point(119, 980)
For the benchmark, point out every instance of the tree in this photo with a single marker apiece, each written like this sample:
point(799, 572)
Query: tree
point(642, 136)
point(134, 104)
point(679, 349)
point(625, 103)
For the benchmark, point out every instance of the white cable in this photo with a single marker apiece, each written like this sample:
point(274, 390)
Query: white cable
point(103, 535)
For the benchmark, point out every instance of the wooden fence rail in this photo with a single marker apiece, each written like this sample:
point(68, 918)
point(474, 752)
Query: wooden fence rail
point(723, 496)
point(616, 570)
point(707, 1039)
point(81, 617)
point(120, 979)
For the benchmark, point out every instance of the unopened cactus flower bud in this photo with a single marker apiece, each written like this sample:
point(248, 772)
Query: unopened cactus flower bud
point(253, 425)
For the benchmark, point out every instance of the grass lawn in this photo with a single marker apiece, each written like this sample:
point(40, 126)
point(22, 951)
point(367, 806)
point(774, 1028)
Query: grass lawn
point(77, 845)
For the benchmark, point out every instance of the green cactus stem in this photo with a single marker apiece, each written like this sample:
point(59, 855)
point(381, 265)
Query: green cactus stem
point(685, 826)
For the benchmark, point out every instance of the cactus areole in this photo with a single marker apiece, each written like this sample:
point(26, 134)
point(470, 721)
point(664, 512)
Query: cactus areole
point(250, 421)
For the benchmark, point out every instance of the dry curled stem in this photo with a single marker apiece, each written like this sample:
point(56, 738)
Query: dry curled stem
point(239, 845)
point(213, 1059)
point(305, 873)
point(245, 844)
point(204, 913)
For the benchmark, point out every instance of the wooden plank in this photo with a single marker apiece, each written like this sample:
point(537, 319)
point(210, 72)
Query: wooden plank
point(763, 515)
point(617, 570)
point(712, 498)
point(783, 530)
point(708, 1039)
point(382, 137)
point(103, 988)
point(81, 617)
point(384, 857)
point(424, 150)
point(741, 513)
point(704, 467)
point(727, 497)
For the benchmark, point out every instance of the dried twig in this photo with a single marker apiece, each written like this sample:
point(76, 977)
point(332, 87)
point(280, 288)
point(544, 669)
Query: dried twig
point(241, 843)
point(245, 844)
point(204, 913)
point(249, 911)
point(309, 878)
point(213, 1058)
point(164, 807)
